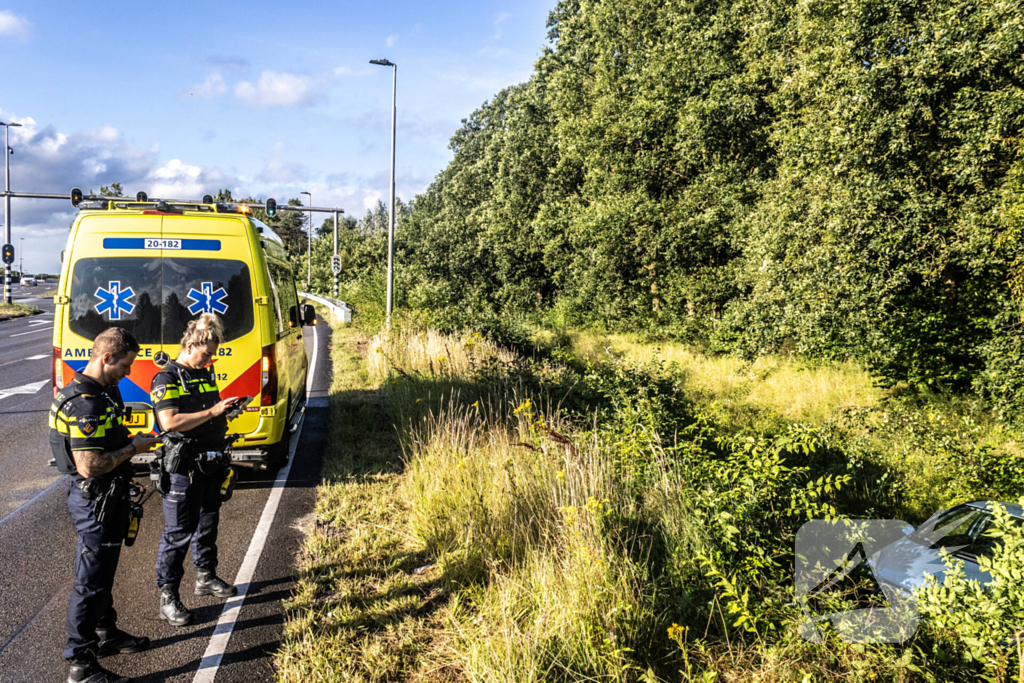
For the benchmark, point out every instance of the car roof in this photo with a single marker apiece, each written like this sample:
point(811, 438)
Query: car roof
point(1015, 509)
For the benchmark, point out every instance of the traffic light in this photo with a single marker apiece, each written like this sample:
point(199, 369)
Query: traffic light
point(8, 254)
point(271, 207)
point(76, 197)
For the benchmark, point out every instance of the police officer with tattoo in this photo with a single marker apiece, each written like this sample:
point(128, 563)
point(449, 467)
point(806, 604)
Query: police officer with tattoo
point(91, 443)
point(193, 467)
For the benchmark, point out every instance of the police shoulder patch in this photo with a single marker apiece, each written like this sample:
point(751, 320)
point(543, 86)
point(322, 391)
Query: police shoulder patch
point(88, 424)
point(159, 392)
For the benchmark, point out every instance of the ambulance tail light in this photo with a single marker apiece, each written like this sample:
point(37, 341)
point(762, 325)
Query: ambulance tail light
point(57, 376)
point(268, 377)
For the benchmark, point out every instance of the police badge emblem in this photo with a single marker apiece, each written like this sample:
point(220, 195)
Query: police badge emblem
point(88, 424)
point(158, 393)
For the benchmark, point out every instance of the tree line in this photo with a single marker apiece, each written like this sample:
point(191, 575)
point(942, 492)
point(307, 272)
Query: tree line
point(838, 178)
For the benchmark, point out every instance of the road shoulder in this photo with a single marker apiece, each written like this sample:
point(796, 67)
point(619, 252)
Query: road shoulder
point(364, 606)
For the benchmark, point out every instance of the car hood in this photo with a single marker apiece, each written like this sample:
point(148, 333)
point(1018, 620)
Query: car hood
point(906, 564)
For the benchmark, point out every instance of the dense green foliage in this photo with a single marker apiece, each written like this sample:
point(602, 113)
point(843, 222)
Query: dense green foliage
point(836, 178)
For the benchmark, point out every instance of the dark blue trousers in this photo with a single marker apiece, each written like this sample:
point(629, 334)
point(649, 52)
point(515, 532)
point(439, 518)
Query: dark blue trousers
point(191, 515)
point(99, 549)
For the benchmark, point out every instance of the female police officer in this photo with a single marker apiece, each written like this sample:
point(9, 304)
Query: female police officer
point(186, 400)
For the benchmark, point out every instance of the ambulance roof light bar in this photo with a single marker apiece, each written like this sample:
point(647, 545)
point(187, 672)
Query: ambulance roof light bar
point(93, 201)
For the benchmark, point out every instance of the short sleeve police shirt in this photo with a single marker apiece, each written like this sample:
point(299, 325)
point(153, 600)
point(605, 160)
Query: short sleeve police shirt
point(189, 390)
point(94, 418)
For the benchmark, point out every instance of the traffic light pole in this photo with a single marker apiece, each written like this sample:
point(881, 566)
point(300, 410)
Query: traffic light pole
point(7, 213)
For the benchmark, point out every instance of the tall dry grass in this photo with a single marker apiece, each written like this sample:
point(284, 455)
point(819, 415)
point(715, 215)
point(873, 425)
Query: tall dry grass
point(789, 386)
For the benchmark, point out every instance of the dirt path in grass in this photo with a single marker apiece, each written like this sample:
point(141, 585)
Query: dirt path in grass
point(366, 602)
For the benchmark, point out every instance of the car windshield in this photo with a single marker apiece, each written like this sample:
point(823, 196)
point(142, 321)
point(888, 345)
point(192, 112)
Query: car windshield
point(962, 531)
point(155, 298)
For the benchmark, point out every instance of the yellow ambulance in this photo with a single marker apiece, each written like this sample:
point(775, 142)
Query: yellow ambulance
point(151, 266)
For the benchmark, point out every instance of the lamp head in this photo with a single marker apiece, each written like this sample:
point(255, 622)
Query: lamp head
point(381, 62)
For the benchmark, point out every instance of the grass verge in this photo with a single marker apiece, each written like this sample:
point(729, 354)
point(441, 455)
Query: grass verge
point(364, 607)
point(606, 515)
point(11, 311)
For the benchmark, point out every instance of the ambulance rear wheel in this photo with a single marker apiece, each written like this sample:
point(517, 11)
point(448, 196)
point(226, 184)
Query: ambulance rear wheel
point(277, 454)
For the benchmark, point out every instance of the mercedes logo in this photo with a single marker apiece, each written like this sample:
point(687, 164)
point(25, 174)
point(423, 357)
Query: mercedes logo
point(161, 358)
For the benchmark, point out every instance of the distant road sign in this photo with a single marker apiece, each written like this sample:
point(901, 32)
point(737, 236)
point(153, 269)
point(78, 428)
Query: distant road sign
point(336, 263)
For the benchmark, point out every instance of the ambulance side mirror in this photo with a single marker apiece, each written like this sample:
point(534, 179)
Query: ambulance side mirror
point(308, 315)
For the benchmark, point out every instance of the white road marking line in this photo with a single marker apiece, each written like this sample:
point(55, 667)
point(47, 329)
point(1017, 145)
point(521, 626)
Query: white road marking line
point(29, 389)
point(36, 331)
point(33, 499)
point(42, 355)
point(210, 663)
point(40, 322)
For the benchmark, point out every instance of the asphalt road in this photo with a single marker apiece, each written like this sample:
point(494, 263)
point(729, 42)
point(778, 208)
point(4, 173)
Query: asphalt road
point(37, 545)
point(25, 354)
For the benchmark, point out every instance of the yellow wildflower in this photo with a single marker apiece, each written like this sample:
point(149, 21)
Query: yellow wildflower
point(677, 633)
point(524, 407)
point(560, 476)
point(594, 505)
point(568, 514)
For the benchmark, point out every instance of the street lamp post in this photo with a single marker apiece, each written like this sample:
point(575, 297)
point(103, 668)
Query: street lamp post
point(391, 210)
point(7, 204)
point(21, 257)
point(335, 253)
point(309, 249)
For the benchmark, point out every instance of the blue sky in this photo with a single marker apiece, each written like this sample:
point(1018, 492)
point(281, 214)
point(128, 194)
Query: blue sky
point(265, 99)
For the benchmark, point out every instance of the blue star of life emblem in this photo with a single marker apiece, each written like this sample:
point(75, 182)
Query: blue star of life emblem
point(115, 300)
point(207, 301)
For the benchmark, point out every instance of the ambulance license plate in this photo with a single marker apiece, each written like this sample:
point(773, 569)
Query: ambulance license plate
point(138, 418)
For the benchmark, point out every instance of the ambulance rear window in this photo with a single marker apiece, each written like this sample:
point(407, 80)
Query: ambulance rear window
point(155, 298)
point(193, 285)
point(116, 292)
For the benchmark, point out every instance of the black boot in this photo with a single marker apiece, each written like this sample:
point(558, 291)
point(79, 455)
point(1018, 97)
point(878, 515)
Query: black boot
point(171, 608)
point(88, 670)
point(114, 641)
point(207, 583)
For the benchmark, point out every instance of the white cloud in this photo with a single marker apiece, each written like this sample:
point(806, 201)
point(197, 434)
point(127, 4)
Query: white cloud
point(212, 87)
point(504, 16)
point(370, 199)
point(178, 180)
point(13, 25)
point(342, 71)
point(275, 89)
point(279, 171)
point(175, 169)
point(391, 40)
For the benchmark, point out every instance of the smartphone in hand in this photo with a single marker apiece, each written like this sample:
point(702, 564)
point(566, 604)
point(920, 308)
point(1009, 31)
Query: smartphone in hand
point(236, 406)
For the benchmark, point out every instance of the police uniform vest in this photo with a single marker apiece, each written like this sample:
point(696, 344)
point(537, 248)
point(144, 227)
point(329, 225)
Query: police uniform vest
point(190, 391)
point(87, 416)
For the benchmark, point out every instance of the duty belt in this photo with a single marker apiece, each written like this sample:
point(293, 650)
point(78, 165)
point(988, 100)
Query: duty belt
point(93, 488)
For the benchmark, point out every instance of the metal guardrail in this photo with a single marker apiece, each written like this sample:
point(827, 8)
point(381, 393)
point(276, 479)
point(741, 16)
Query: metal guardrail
point(338, 309)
